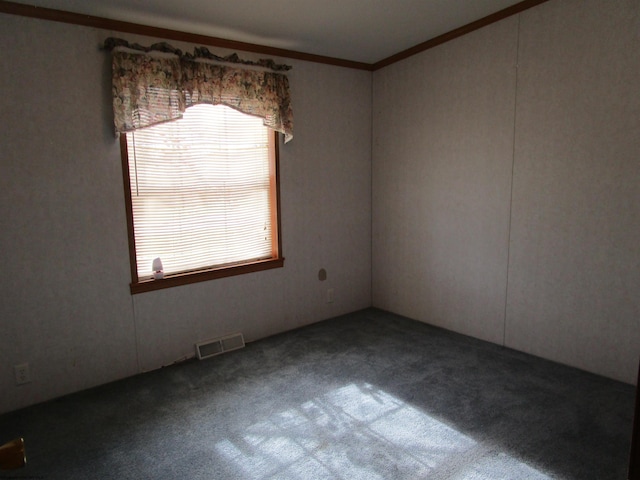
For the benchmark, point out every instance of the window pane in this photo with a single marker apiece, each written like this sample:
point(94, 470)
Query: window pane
point(201, 191)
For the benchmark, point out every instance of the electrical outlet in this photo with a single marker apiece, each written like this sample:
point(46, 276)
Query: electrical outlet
point(330, 295)
point(22, 373)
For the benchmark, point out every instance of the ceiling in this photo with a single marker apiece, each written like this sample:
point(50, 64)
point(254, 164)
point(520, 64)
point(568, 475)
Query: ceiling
point(358, 30)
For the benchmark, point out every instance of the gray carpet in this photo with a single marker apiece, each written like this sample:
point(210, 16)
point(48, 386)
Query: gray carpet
point(369, 395)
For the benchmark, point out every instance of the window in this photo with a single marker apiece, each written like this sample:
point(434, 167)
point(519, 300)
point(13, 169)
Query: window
point(202, 195)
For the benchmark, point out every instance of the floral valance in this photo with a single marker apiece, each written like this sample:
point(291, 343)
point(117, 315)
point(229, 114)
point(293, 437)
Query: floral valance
point(150, 88)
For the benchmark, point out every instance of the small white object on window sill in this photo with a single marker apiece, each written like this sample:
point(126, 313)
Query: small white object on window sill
point(158, 273)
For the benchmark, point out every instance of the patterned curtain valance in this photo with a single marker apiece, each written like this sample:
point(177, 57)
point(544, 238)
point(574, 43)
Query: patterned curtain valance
point(152, 88)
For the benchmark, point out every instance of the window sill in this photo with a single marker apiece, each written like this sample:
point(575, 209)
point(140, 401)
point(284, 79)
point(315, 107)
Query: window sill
point(179, 279)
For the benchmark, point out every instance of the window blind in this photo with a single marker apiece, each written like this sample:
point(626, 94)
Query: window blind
point(201, 191)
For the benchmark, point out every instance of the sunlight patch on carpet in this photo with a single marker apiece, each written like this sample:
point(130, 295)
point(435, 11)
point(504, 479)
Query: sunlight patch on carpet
point(362, 432)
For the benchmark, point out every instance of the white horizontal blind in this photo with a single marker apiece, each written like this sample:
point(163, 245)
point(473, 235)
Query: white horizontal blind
point(200, 191)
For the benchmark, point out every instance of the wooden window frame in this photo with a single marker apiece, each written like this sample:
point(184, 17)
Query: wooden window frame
point(205, 274)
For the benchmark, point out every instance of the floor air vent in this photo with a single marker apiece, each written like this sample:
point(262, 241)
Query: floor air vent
point(220, 345)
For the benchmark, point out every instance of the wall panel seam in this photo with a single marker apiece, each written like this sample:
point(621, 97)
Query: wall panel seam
point(513, 162)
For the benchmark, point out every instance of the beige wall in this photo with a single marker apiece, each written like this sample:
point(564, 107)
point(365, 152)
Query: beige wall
point(574, 270)
point(443, 141)
point(66, 307)
point(506, 185)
